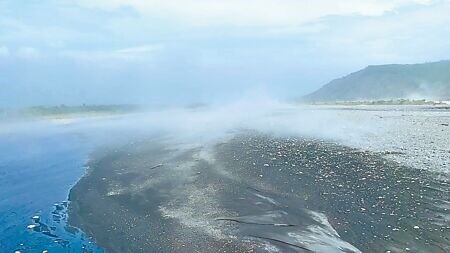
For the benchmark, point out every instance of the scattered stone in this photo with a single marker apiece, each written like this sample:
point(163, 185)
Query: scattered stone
point(156, 166)
point(32, 226)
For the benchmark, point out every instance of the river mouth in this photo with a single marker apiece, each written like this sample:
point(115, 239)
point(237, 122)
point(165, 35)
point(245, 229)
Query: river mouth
point(258, 193)
point(187, 182)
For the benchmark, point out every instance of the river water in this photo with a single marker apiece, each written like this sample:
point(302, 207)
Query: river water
point(39, 164)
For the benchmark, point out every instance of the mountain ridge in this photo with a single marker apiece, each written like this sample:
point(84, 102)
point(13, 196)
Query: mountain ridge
point(391, 81)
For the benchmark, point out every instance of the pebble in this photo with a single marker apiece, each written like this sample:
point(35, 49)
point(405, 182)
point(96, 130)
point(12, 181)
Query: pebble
point(31, 226)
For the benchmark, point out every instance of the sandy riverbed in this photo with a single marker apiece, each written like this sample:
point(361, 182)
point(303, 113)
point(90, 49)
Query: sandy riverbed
point(267, 192)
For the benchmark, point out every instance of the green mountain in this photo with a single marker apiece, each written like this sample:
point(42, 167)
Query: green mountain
point(395, 81)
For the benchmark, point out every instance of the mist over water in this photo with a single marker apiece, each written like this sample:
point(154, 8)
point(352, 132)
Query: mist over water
point(206, 122)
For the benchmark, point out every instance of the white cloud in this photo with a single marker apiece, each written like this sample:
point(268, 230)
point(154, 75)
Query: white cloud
point(124, 54)
point(415, 35)
point(253, 12)
point(136, 51)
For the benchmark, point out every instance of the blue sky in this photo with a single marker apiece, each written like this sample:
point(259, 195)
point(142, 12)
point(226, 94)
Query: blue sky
point(183, 51)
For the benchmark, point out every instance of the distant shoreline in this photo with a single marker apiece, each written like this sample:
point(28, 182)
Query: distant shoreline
point(384, 102)
point(62, 112)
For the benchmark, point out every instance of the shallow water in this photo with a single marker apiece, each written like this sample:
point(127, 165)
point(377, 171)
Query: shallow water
point(37, 170)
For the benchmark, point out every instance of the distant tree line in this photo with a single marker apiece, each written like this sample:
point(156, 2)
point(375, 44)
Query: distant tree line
point(79, 109)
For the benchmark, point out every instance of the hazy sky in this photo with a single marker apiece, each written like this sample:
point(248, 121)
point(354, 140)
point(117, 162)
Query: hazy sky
point(182, 51)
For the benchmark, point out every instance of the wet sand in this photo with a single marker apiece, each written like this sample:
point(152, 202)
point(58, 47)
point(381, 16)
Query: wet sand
point(257, 193)
point(120, 198)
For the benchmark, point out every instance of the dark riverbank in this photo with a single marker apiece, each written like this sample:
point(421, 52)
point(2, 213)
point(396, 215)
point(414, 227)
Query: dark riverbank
point(120, 200)
point(258, 194)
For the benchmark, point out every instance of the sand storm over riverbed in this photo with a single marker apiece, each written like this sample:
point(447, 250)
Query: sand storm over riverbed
point(259, 192)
